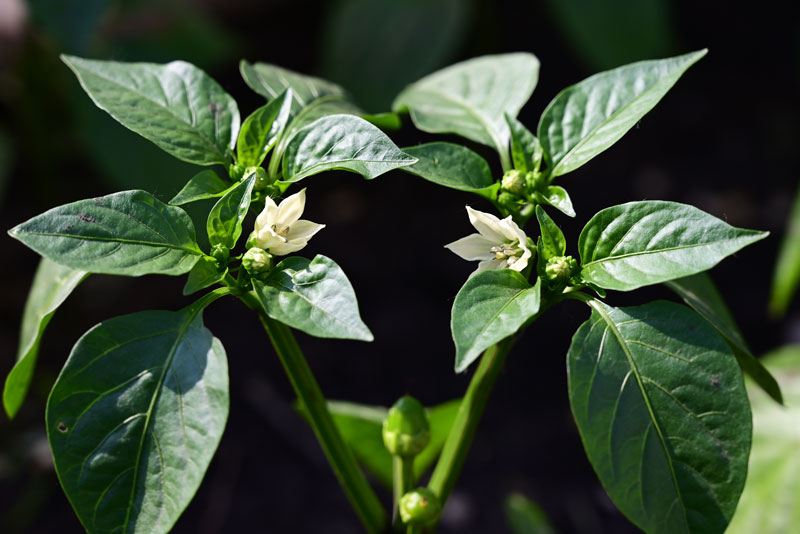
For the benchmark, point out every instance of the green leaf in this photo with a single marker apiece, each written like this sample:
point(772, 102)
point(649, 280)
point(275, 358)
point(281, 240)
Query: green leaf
point(135, 417)
point(588, 117)
point(526, 151)
point(205, 273)
point(699, 292)
point(663, 415)
point(343, 142)
point(52, 284)
point(224, 224)
point(787, 269)
point(558, 197)
point(313, 296)
point(176, 106)
point(553, 241)
point(360, 427)
point(471, 98)
point(384, 121)
point(129, 233)
point(261, 130)
point(491, 306)
point(270, 81)
point(451, 165)
point(641, 243)
point(205, 184)
point(524, 516)
point(770, 503)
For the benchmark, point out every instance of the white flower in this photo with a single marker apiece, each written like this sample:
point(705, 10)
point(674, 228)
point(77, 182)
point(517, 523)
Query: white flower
point(279, 228)
point(500, 244)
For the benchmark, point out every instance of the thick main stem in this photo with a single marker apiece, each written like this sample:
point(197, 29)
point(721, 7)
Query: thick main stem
point(355, 485)
point(466, 423)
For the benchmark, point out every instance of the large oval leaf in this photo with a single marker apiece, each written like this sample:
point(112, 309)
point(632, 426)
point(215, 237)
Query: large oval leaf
point(471, 98)
point(343, 142)
point(450, 165)
point(590, 116)
point(270, 81)
point(641, 243)
point(491, 306)
point(52, 284)
point(663, 414)
point(313, 296)
point(130, 233)
point(176, 106)
point(135, 417)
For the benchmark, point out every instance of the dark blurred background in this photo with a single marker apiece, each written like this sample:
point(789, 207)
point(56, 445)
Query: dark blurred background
point(725, 139)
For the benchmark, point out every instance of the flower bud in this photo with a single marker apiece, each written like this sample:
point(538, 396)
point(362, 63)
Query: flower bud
point(560, 268)
point(508, 200)
point(262, 180)
point(406, 431)
point(514, 182)
point(419, 507)
point(252, 240)
point(256, 261)
point(535, 181)
point(221, 253)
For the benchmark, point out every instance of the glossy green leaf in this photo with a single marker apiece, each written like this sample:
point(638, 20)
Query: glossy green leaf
point(313, 296)
point(663, 415)
point(342, 142)
point(204, 274)
point(524, 516)
point(360, 427)
point(129, 233)
point(261, 130)
point(770, 503)
point(176, 106)
point(450, 165)
point(203, 185)
point(384, 121)
point(699, 292)
point(471, 98)
point(558, 197)
point(491, 306)
point(553, 241)
point(641, 243)
point(526, 151)
point(224, 224)
point(585, 119)
point(787, 269)
point(270, 81)
point(135, 417)
point(52, 284)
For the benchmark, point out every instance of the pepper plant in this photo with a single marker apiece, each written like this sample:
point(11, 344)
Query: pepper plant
point(139, 408)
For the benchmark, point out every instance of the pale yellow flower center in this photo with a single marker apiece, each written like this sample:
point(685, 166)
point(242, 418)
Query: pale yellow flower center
point(281, 232)
point(510, 252)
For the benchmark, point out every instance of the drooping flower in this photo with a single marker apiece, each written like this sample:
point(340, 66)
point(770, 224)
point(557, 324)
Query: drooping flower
point(279, 229)
point(500, 244)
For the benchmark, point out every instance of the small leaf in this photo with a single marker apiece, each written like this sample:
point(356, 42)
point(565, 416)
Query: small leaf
point(524, 516)
point(384, 121)
point(553, 241)
point(585, 119)
point(204, 274)
point(663, 415)
point(491, 306)
point(270, 81)
point(471, 98)
point(526, 151)
point(203, 185)
point(699, 292)
point(262, 129)
point(313, 296)
point(52, 284)
point(135, 417)
point(176, 106)
point(343, 142)
point(450, 165)
point(558, 197)
point(129, 233)
point(787, 269)
point(224, 223)
point(642, 243)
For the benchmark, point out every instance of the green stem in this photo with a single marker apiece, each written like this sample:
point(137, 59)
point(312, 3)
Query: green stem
point(469, 415)
point(402, 481)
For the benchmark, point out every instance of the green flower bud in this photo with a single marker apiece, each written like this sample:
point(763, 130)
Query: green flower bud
point(221, 253)
point(508, 200)
point(513, 182)
point(262, 180)
point(535, 181)
point(419, 507)
point(257, 261)
point(406, 431)
point(236, 172)
point(560, 268)
point(252, 240)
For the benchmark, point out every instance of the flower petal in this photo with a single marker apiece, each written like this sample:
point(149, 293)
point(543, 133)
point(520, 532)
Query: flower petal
point(511, 231)
point(303, 230)
point(282, 249)
point(268, 215)
point(487, 224)
point(291, 208)
point(487, 265)
point(473, 247)
point(521, 262)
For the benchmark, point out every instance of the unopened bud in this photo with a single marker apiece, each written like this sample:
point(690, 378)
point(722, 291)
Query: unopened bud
point(514, 182)
point(262, 180)
point(257, 261)
point(535, 181)
point(419, 507)
point(221, 253)
point(560, 268)
point(252, 240)
point(406, 431)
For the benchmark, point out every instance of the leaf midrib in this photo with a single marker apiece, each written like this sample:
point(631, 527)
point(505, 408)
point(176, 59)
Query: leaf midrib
point(115, 240)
